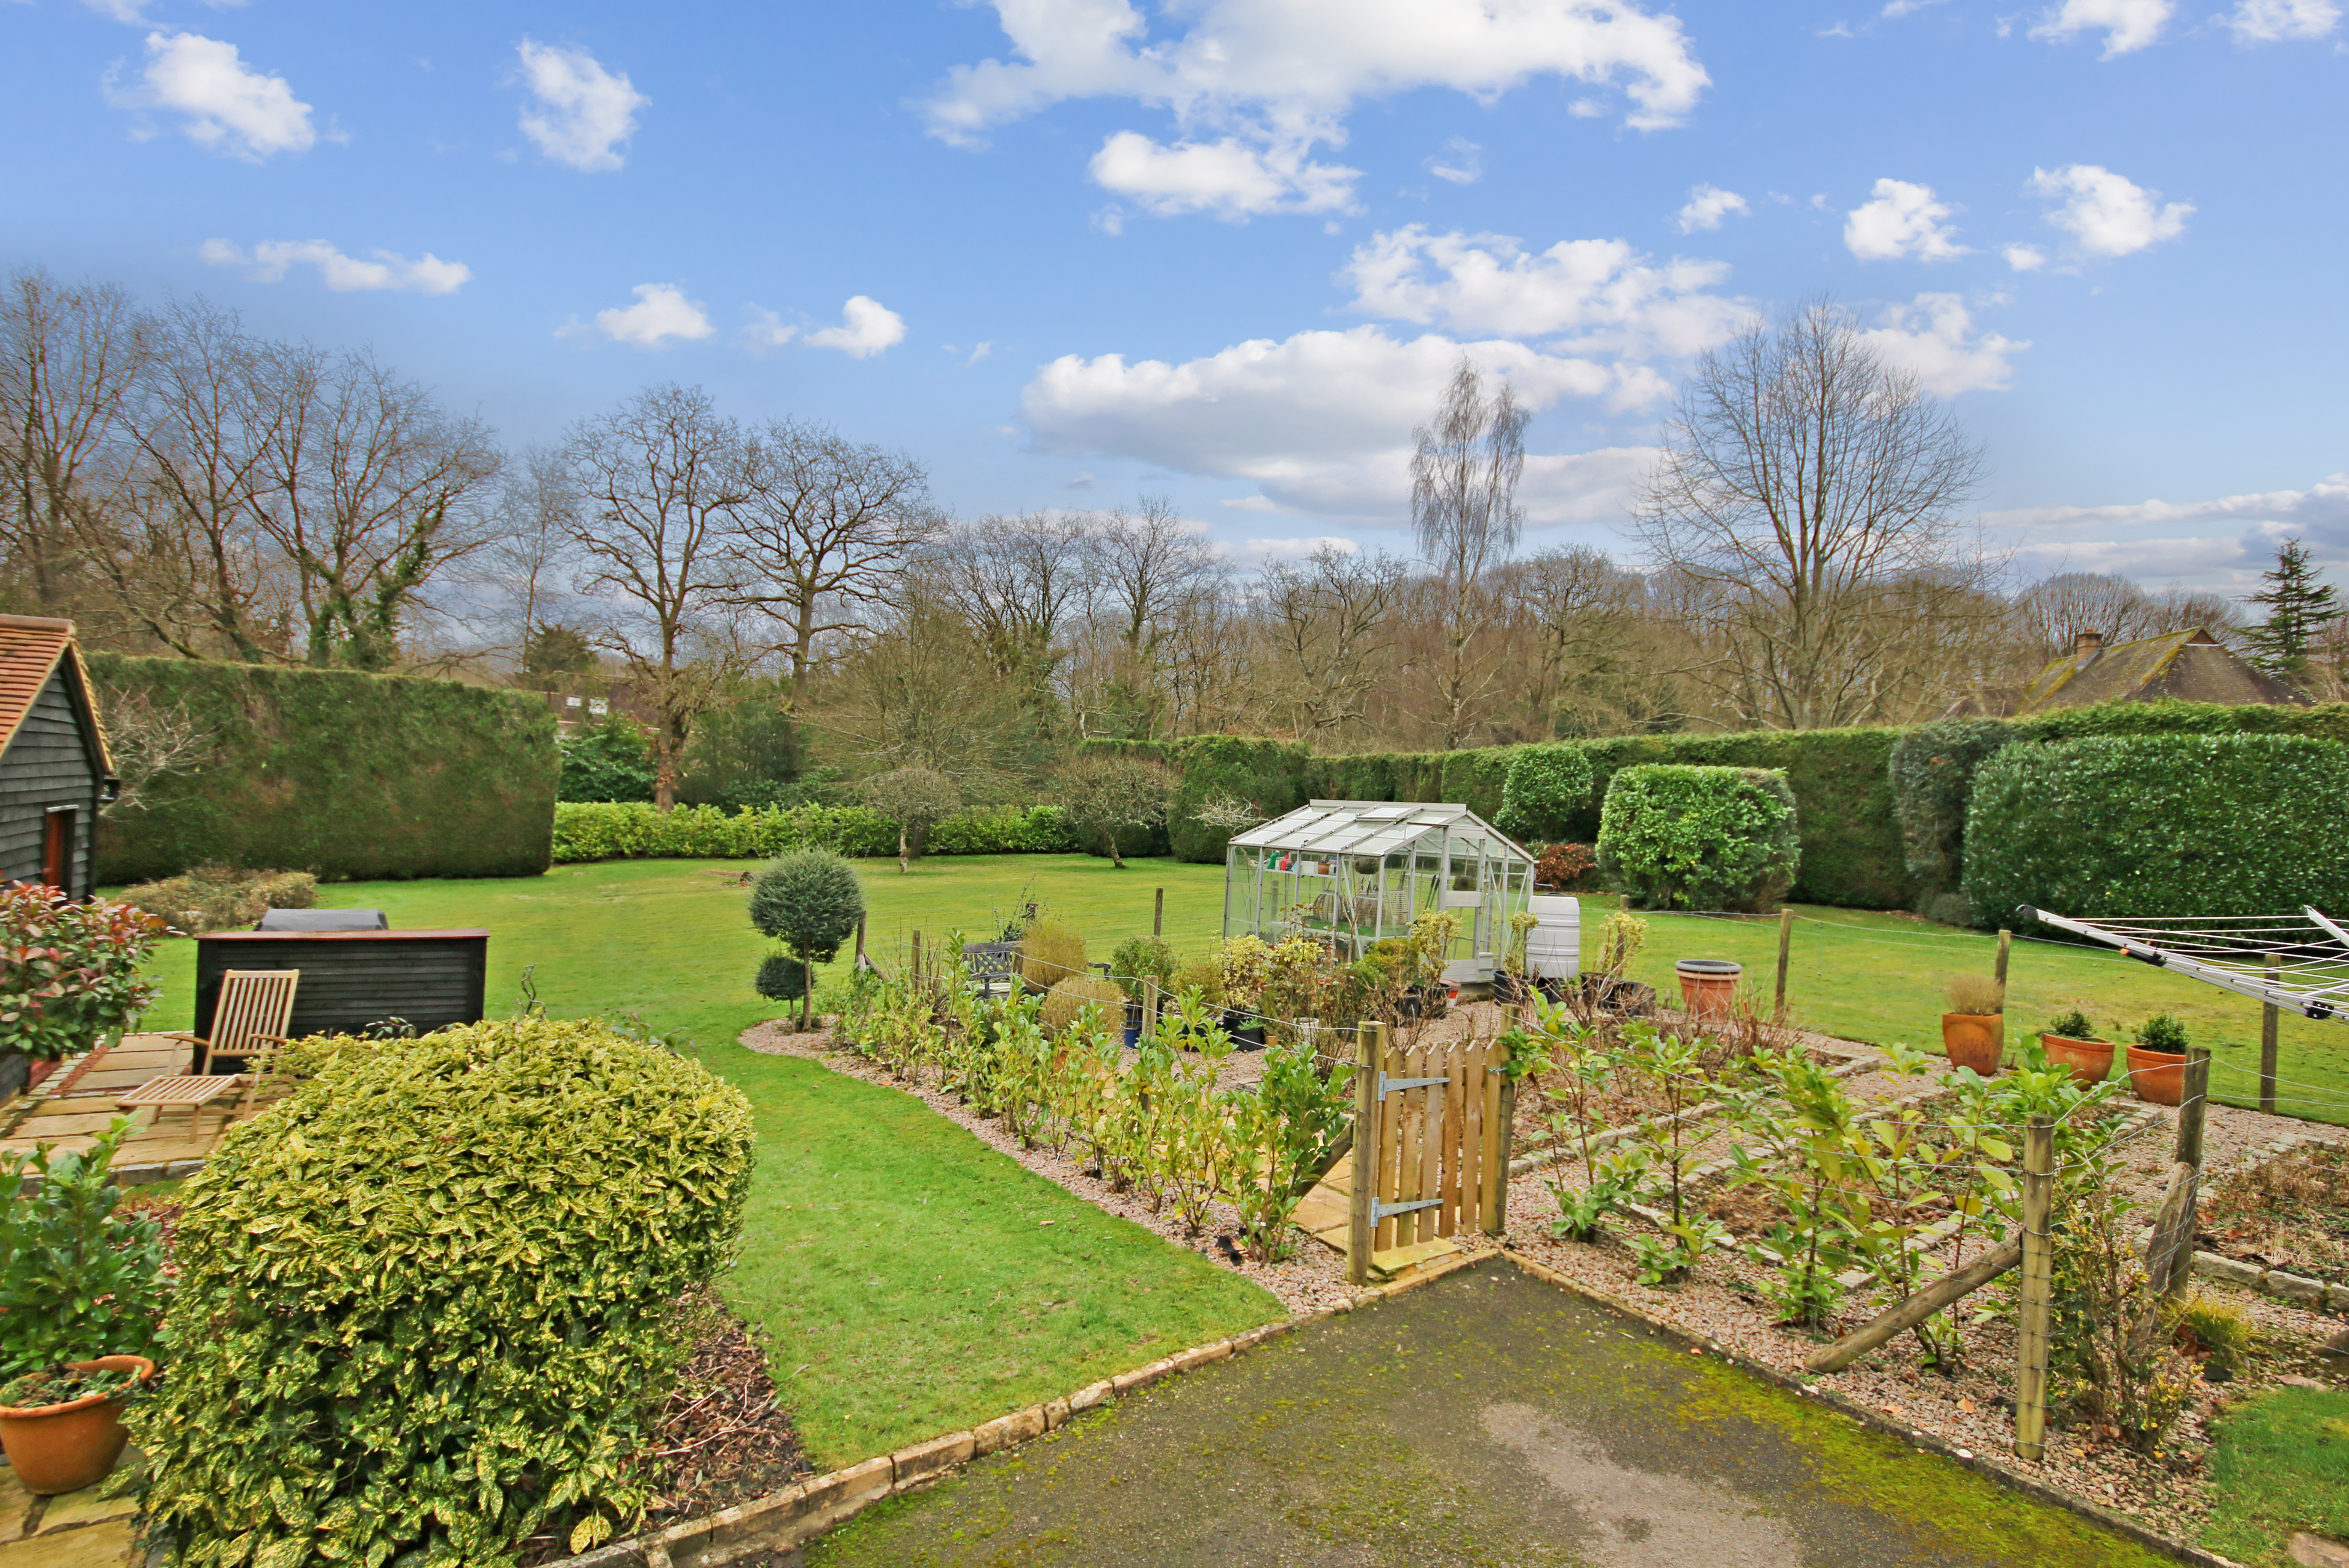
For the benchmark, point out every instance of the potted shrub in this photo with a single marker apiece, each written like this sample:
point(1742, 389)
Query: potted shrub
point(2071, 1044)
point(62, 1426)
point(1244, 970)
point(1974, 1031)
point(1707, 987)
point(2157, 1060)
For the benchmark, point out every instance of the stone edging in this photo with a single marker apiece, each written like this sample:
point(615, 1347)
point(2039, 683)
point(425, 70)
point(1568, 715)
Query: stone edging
point(2315, 1294)
point(2004, 1474)
point(798, 1514)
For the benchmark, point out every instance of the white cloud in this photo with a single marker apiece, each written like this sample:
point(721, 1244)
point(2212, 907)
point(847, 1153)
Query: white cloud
point(661, 311)
point(1902, 220)
point(1458, 163)
point(1258, 552)
point(1934, 335)
point(229, 106)
point(271, 259)
point(2024, 258)
point(2106, 213)
point(583, 113)
point(1228, 177)
point(767, 330)
point(1279, 77)
point(2275, 21)
point(2157, 537)
point(1607, 297)
point(1249, 503)
point(2127, 24)
point(1321, 420)
point(1707, 206)
point(867, 327)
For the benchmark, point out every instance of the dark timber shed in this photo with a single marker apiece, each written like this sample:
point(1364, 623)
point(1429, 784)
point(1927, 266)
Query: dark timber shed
point(56, 770)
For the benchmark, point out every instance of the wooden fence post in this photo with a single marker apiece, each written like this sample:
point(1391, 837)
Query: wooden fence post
point(1785, 942)
point(860, 944)
point(916, 967)
point(2268, 1017)
point(1363, 1195)
point(2038, 1288)
point(1497, 1223)
point(2005, 946)
point(1158, 915)
point(1149, 1008)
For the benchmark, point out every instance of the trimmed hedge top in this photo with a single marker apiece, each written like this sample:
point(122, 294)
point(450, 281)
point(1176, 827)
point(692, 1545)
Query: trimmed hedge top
point(2178, 824)
point(1678, 837)
point(422, 1303)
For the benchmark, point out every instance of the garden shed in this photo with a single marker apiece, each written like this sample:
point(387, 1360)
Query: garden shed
point(1354, 872)
point(56, 770)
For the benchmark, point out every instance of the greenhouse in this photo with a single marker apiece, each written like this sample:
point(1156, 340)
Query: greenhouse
point(1352, 872)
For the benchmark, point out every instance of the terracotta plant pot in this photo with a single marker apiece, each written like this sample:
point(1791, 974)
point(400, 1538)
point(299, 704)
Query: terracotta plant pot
point(1707, 986)
point(2157, 1078)
point(2090, 1062)
point(64, 1447)
point(1976, 1040)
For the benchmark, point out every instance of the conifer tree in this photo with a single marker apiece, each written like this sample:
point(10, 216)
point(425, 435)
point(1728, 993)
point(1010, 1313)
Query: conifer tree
point(2299, 608)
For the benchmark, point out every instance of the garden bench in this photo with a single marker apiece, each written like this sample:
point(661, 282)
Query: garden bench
point(994, 965)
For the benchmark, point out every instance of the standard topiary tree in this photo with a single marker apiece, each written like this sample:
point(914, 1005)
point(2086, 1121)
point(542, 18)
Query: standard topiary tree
point(809, 902)
point(914, 798)
point(2201, 825)
point(1543, 785)
point(1677, 837)
point(1933, 774)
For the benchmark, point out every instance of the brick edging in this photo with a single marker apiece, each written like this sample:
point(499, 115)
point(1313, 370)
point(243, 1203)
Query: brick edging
point(1997, 1471)
point(798, 1514)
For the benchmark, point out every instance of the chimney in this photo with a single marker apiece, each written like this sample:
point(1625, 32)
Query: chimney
point(2087, 650)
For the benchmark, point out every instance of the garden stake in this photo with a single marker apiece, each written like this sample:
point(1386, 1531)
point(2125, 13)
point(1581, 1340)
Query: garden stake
point(2268, 1017)
point(1362, 1195)
point(1785, 940)
point(1158, 918)
point(2038, 1288)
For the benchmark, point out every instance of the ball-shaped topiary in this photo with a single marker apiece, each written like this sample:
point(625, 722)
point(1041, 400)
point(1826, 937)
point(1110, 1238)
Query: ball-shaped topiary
point(810, 901)
point(1678, 837)
point(1544, 785)
point(783, 977)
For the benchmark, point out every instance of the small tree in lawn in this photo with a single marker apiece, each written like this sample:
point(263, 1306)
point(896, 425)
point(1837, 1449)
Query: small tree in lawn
point(809, 902)
point(914, 798)
point(1114, 795)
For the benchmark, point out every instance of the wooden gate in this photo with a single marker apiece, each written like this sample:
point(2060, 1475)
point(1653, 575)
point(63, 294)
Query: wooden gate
point(1431, 1150)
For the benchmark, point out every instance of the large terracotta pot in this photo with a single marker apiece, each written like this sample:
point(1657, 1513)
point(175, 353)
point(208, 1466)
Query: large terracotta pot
point(2090, 1062)
point(1707, 987)
point(1976, 1040)
point(64, 1447)
point(2157, 1077)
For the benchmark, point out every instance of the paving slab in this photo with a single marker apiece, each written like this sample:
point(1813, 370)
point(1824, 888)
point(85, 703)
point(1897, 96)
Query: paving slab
point(107, 1546)
point(1484, 1419)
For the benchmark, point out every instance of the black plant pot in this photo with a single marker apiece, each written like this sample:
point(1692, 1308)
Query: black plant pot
point(1246, 1029)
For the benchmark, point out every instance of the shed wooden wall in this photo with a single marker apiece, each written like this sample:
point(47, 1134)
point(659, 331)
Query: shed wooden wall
point(351, 979)
point(47, 764)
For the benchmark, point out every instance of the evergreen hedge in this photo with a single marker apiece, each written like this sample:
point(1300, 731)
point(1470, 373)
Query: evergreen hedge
point(1678, 837)
point(2164, 824)
point(1933, 769)
point(424, 1305)
point(618, 829)
point(1545, 784)
point(343, 774)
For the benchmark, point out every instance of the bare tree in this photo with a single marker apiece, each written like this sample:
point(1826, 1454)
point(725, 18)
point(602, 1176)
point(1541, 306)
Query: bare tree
point(151, 740)
point(825, 528)
point(69, 358)
point(1801, 479)
point(1020, 582)
point(530, 556)
point(917, 692)
point(1577, 606)
point(1331, 630)
point(1463, 512)
point(2050, 614)
point(662, 481)
point(370, 489)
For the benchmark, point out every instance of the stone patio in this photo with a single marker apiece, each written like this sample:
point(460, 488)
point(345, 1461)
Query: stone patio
point(75, 1103)
point(76, 1530)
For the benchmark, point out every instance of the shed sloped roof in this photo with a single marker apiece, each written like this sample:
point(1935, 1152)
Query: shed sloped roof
point(32, 649)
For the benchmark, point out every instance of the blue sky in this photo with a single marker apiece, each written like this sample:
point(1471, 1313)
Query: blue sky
point(1066, 251)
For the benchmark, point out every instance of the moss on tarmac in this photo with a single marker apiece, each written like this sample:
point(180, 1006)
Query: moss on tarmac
point(1486, 1419)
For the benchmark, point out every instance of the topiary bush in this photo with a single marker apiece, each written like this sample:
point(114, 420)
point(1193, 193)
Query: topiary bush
point(1545, 785)
point(422, 1303)
point(1675, 837)
point(2117, 826)
point(1932, 775)
point(781, 978)
point(809, 902)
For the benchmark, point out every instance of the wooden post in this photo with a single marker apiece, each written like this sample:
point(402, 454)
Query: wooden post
point(1497, 1223)
point(2038, 1288)
point(1785, 942)
point(2268, 1017)
point(860, 944)
point(916, 967)
point(1369, 1051)
point(1941, 1293)
point(2005, 945)
point(1158, 916)
point(2191, 1106)
point(1149, 1008)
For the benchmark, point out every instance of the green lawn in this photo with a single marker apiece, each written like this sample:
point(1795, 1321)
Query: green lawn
point(2282, 1465)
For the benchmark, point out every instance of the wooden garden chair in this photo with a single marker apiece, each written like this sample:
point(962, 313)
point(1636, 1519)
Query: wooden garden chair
point(249, 1022)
